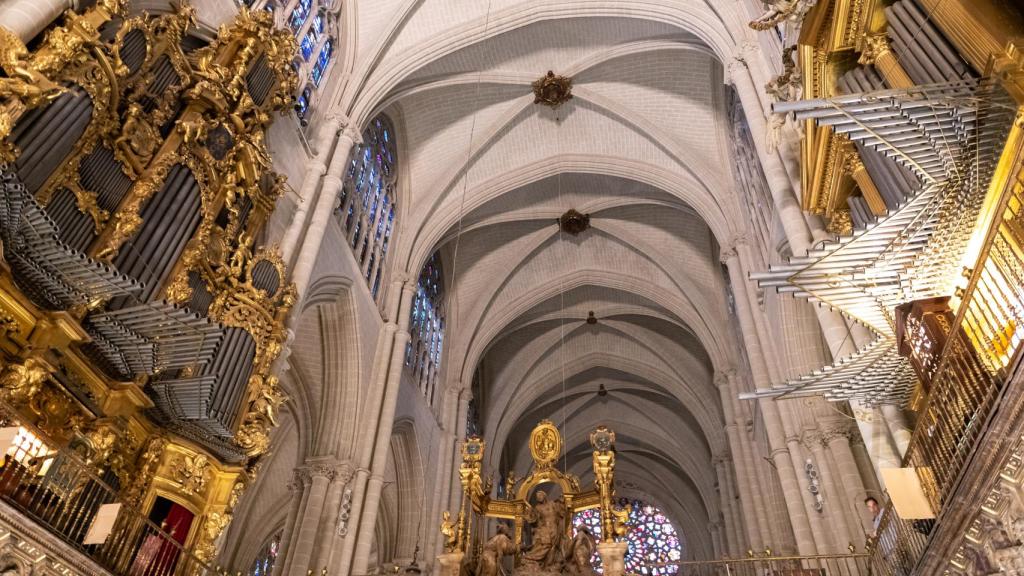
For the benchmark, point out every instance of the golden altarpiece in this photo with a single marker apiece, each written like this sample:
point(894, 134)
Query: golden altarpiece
point(139, 317)
point(527, 502)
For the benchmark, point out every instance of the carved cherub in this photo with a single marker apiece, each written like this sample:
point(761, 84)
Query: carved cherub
point(20, 382)
point(779, 10)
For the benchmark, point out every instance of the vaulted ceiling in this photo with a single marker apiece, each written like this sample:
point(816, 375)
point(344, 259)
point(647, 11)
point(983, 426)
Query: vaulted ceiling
point(485, 173)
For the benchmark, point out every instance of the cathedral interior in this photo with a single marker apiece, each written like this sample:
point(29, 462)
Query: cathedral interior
point(511, 287)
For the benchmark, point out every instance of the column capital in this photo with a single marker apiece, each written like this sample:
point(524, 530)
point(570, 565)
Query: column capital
point(730, 248)
point(301, 477)
point(852, 163)
point(836, 432)
point(352, 133)
point(724, 376)
point(735, 67)
point(874, 46)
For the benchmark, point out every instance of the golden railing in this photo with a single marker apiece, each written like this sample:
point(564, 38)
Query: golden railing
point(820, 565)
point(982, 347)
point(63, 494)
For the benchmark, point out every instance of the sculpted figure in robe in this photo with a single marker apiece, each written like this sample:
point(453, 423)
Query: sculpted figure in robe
point(490, 558)
point(582, 551)
point(549, 523)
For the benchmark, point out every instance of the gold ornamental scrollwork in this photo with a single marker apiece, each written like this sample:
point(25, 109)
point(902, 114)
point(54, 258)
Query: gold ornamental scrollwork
point(191, 472)
point(545, 444)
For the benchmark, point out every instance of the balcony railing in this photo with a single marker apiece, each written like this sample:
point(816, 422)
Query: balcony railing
point(65, 495)
point(821, 565)
point(982, 348)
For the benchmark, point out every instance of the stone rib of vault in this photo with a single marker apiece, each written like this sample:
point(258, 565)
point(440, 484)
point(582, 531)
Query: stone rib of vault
point(951, 136)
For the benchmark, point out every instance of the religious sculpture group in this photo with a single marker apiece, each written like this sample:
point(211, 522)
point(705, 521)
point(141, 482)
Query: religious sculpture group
point(536, 531)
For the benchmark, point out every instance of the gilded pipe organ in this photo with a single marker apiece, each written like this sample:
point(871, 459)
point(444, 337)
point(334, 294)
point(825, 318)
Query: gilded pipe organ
point(139, 313)
point(910, 113)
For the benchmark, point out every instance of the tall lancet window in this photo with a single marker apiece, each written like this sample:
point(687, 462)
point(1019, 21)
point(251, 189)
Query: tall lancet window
point(426, 328)
point(367, 202)
point(264, 563)
point(316, 52)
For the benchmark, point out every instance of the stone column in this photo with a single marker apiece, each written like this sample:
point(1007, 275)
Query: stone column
point(820, 531)
point(455, 492)
point(838, 440)
point(27, 18)
point(877, 51)
point(613, 557)
point(755, 522)
point(302, 271)
point(877, 440)
point(444, 472)
point(725, 496)
point(309, 524)
point(386, 421)
point(341, 558)
point(717, 548)
point(772, 420)
point(899, 429)
point(450, 564)
point(316, 168)
point(329, 515)
point(736, 535)
point(834, 498)
point(295, 490)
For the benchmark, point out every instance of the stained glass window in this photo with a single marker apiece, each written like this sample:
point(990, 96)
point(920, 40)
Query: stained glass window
point(321, 62)
point(652, 540)
point(299, 15)
point(264, 563)
point(317, 28)
point(367, 200)
point(306, 46)
point(302, 102)
point(426, 327)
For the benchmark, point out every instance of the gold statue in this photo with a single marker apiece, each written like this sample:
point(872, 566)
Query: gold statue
point(510, 485)
point(450, 532)
point(620, 521)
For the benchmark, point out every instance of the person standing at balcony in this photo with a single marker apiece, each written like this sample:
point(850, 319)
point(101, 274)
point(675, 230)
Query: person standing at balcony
point(876, 514)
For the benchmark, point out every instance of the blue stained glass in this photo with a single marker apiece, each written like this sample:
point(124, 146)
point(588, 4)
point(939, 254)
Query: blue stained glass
point(321, 62)
point(264, 563)
point(652, 540)
point(317, 28)
point(306, 47)
point(299, 15)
